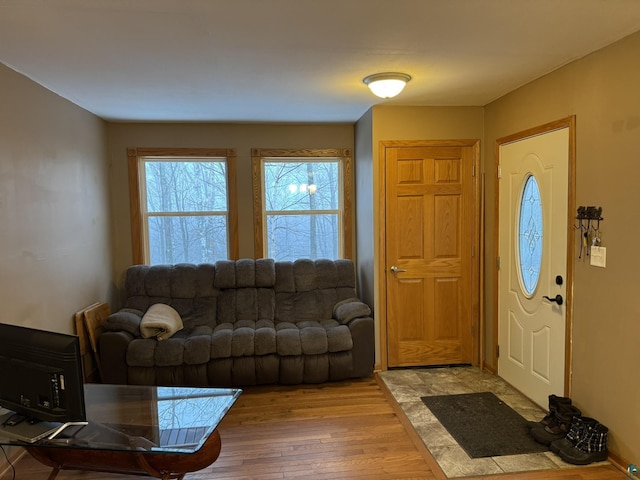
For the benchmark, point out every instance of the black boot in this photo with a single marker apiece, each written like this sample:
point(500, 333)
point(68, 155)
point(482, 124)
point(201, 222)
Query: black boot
point(580, 426)
point(550, 417)
point(559, 428)
point(590, 448)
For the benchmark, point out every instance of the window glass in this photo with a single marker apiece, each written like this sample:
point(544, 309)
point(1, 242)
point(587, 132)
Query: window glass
point(187, 239)
point(302, 202)
point(186, 210)
point(530, 235)
point(183, 205)
point(302, 236)
point(181, 186)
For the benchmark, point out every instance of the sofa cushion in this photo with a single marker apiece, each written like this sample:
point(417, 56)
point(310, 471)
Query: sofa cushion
point(188, 288)
point(141, 352)
point(339, 338)
point(313, 340)
point(265, 340)
point(170, 352)
point(236, 304)
point(245, 273)
point(181, 349)
point(197, 348)
point(312, 337)
point(288, 339)
point(221, 341)
point(243, 338)
point(242, 342)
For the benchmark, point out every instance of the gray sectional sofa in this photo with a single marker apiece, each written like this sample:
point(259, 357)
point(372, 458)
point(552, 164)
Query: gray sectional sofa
point(245, 322)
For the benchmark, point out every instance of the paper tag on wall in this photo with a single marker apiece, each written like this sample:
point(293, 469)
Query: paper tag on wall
point(598, 256)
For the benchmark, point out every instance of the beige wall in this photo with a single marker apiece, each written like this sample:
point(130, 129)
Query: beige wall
point(396, 123)
point(603, 91)
point(55, 251)
point(242, 137)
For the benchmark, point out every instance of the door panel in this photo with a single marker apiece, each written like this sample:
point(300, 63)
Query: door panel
point(429, 237)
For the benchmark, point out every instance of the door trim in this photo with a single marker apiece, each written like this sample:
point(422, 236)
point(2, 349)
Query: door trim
point(570, 123)
point(381, 290)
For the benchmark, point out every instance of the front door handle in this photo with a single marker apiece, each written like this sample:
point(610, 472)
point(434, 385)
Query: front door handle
point(395, 269)
point(557, 299)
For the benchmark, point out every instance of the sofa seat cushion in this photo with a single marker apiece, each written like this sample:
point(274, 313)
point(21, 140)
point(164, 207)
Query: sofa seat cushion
point(184, 348)
point(243, 338)
point(311, 337)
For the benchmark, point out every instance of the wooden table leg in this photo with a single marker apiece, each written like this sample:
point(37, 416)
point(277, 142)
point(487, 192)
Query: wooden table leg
point(54, 473)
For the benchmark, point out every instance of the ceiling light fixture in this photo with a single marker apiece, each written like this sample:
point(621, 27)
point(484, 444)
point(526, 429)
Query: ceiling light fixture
point(386, 85)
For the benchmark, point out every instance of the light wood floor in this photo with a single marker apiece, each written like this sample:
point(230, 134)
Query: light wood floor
point(347, 430)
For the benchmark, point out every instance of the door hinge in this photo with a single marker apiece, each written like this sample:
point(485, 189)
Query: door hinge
point(473, 170)
point(498, 263)
point(499, 171)
point(497, 351)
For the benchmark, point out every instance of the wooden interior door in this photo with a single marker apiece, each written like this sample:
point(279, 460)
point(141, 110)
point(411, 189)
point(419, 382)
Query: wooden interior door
point(431, 252)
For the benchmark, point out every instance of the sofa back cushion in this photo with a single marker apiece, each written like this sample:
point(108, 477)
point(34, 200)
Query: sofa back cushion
point(246, 290)
point(308, 289)
point(243, 290)
point(188, 288)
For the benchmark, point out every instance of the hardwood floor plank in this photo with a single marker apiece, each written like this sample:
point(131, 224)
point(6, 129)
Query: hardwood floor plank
point(338, 431)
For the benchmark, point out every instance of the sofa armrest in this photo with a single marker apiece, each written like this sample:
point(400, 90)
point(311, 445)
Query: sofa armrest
point(351, 308)
point(356, 315)
point(126, 320)
point(362, 333)
point(113, 356)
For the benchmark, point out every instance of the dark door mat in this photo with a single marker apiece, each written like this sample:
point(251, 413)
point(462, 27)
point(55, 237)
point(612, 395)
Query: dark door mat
point(483, 425)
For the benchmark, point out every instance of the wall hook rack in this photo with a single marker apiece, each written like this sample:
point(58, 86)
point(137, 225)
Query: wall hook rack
point(589, 213)
point(589, 219)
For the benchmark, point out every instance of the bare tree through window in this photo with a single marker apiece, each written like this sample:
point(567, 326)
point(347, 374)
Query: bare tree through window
point(184, 208)
point(302, 208)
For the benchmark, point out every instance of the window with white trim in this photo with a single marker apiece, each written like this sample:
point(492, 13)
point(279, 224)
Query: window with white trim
point(303, 207)
point(183, 205)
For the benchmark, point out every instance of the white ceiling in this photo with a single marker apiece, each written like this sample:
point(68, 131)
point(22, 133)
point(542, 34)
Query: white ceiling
point(294, 60)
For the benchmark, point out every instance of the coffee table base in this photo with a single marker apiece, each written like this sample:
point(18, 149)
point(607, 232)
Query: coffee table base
point(161, 465)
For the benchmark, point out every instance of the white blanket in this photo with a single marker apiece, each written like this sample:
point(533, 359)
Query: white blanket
point(160, 321)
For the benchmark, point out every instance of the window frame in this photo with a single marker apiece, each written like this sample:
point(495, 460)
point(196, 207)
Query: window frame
point(136, 156)
point(344, 155)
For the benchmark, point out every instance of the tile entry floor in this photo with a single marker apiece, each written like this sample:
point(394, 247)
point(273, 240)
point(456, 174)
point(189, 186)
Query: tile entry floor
point(408, 385)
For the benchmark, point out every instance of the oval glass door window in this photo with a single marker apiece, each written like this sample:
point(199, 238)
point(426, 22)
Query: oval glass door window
point(530, 235)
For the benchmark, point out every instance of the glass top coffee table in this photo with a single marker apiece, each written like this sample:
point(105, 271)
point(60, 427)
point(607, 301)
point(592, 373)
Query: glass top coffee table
point(163, 432)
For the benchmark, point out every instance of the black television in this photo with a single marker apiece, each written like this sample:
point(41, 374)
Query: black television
point(41, 375)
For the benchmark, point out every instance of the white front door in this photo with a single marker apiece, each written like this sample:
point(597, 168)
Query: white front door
point(532, 290)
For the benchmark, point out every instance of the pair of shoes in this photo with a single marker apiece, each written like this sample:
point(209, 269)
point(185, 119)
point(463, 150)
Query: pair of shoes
point(557, 423)
point(585, 443)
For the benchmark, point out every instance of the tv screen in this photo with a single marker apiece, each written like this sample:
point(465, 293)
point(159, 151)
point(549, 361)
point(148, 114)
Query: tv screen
point(41, 374)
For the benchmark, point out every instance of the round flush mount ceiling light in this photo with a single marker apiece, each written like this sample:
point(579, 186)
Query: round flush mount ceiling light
point(386, 85)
